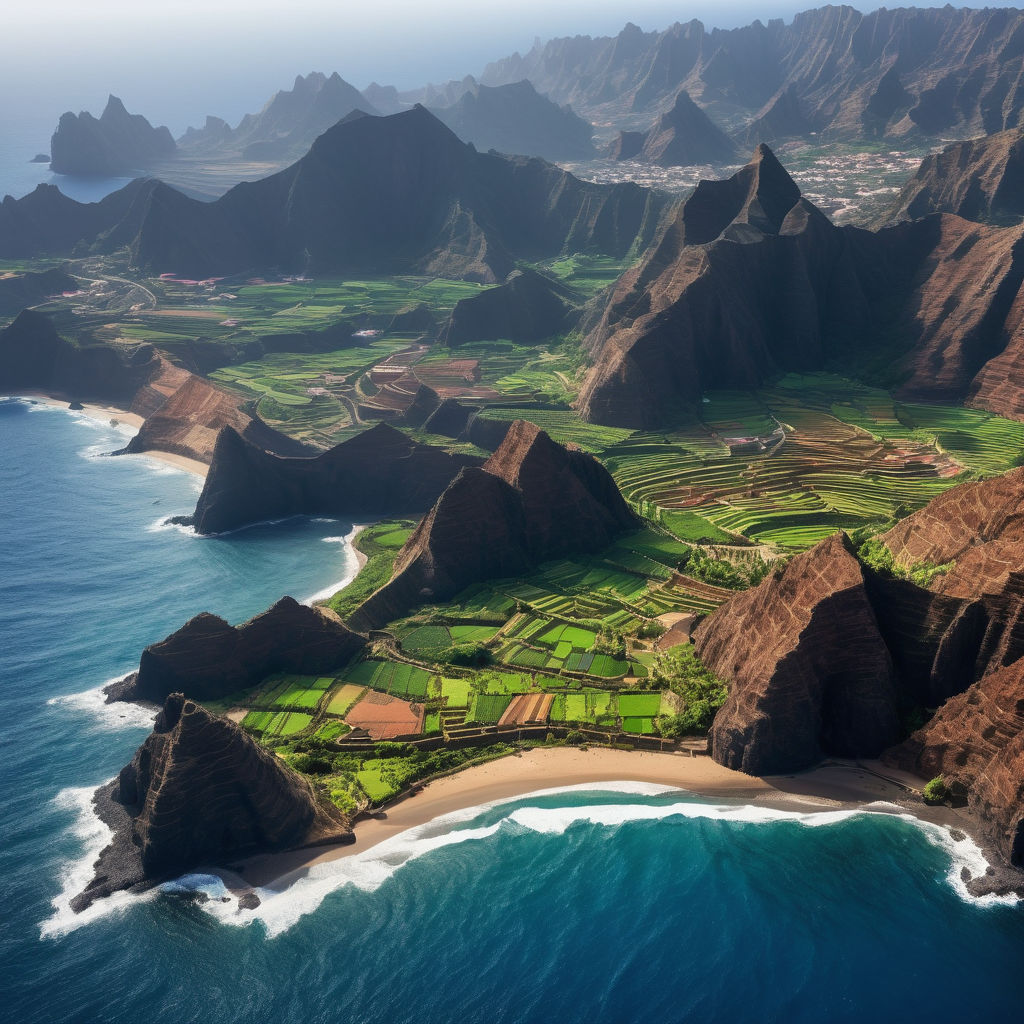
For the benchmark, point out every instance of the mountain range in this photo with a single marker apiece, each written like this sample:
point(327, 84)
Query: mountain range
point(890, 73)
point(398, 194)
point(750, 279)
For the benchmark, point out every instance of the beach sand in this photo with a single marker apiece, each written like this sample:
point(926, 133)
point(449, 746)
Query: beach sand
point(830, 787)
point(106, 413)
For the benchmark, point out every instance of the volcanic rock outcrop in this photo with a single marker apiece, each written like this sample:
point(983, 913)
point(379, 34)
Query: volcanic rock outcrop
point(208, 658)
point(982, 179)
point(115, 143)
point(395, 194)
point(808, 669)
point(376, 473)
point(751, 280)
point(199, 791)
point(532, 500)
point(515, 118)
point(975, 741)
point(826, 656)
point(681, 137)
point(527, 308)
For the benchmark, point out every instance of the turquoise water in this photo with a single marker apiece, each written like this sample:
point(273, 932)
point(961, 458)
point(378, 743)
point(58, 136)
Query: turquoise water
point(632, 904)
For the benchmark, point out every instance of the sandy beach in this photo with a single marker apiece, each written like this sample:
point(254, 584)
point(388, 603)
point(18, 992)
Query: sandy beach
point(830, 787)
point(106, 413)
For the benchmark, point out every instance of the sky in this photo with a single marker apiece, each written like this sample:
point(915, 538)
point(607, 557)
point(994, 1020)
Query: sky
point(177, 60)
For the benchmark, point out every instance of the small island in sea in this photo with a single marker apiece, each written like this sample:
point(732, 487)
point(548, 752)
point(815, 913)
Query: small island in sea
point(710, 488)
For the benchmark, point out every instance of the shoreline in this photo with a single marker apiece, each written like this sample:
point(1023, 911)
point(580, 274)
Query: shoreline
point(104, 413)
point(833, 786)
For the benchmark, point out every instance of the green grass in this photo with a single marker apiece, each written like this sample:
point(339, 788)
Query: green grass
point(641, 705)
point(642, 726)
point(457, 691)
point(487, 708)
point(380, 560)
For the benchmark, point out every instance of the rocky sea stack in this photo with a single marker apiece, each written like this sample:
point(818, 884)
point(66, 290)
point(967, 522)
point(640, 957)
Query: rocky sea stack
point(199, 791)
point(114, 143)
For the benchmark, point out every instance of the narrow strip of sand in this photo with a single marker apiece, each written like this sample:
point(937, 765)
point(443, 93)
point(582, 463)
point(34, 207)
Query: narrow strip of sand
point(831, 787)
point(107, 413)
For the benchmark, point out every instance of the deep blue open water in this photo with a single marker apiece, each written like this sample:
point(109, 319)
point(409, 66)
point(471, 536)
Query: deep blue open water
point(624, 905)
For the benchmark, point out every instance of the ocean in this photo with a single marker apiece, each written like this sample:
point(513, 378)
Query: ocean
point(624, 903)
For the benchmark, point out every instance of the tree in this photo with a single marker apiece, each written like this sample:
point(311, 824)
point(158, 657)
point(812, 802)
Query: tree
point(702, 692)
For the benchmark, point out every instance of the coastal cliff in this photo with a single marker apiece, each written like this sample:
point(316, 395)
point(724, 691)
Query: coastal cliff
point(531, 500)
point(829, 656)
point(199, 791)
point(183, 413)
point(379, 472)
point(208, 658)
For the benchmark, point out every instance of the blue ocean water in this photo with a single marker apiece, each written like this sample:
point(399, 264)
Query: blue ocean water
point(627, 904)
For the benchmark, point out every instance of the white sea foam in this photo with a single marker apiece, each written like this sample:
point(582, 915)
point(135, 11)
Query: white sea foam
point(108, 717)
point(290, 898)
point(76, 874)
point(351, 565)
point(164, 525)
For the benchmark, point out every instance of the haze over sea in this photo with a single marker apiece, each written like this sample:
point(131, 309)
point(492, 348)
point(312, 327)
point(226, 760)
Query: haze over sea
point(621, 905)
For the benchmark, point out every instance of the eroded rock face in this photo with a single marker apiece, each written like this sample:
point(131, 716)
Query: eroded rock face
point(751, 280)
point(532, 500)
point(379, 472)
point(975, 742)
point(809, 671)
point(208, 658)
point(981, 179)
point(198, 792)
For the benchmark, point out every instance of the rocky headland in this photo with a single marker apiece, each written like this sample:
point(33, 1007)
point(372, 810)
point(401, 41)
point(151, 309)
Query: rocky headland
point(831, 657)
point(182, 413)
point(199, 791)
point(376, 473)
point(207, 658)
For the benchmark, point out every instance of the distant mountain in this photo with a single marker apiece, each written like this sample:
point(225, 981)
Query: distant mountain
point(982, 179)
point(515, 118)
point(115, 143)
point(373, 195)
point(681, 137)
point(891, 73)
point(751, 280)
point(286, 127)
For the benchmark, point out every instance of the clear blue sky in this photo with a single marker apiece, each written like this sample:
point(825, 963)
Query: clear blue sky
point(178, 60)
